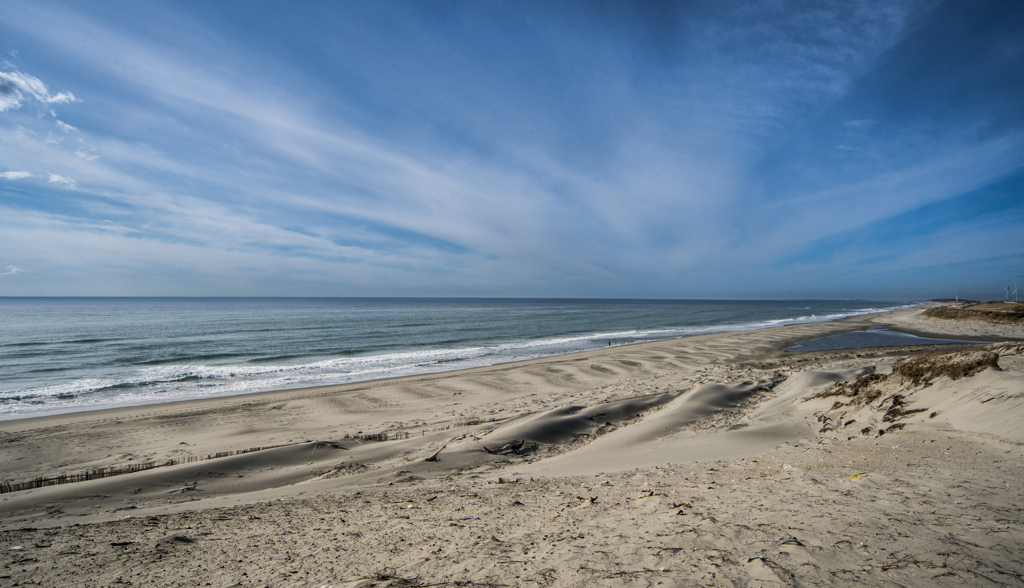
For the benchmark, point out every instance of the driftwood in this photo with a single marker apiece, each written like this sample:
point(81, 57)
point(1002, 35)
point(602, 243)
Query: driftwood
point(513, 446)
point(435, 456)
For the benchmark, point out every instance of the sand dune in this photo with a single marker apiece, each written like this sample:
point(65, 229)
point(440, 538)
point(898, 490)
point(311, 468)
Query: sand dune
point(564, 424)
point(708, 460)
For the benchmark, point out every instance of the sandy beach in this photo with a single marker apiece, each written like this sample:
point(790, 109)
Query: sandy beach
point(717, 460)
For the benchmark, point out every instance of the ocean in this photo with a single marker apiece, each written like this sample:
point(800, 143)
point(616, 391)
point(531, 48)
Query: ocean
point(70, 354)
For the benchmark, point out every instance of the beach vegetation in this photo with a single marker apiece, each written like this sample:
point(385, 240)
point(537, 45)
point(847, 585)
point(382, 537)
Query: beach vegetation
point(992, 312)
point(924, 368)
point(887, 395)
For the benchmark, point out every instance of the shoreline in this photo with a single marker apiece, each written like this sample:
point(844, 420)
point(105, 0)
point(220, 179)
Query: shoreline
point(103, 404)
point(690, 460)
point(9, 418)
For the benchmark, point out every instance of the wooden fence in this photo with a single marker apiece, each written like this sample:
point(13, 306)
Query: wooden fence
point(110, 471)
point(131, 468)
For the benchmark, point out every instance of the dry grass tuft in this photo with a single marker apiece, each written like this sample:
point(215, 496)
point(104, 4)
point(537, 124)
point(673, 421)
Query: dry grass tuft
point(860, 390)
point(924, 368)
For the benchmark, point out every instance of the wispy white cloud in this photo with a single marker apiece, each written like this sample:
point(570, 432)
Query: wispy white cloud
point(61, 98)
point(61, 180)
point(17, 87)
point(15, 175)
point(86, 155)
point(11, 270)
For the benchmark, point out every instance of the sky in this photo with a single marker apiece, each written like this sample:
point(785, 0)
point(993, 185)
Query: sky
point(742, 150)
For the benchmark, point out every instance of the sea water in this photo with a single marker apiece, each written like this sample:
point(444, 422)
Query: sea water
point(69, 354)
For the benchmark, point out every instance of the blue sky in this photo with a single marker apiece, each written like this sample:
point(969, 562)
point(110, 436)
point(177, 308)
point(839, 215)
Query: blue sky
point(591, 149)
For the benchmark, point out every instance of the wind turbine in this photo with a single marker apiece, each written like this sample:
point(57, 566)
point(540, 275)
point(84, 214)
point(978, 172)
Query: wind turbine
point(1014, 290)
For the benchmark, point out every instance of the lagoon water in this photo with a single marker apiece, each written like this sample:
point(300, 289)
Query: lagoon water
point(69, 354)
point(873, 337)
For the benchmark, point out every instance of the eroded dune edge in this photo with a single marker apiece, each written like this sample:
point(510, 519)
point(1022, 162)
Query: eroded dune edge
point(713, 460)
